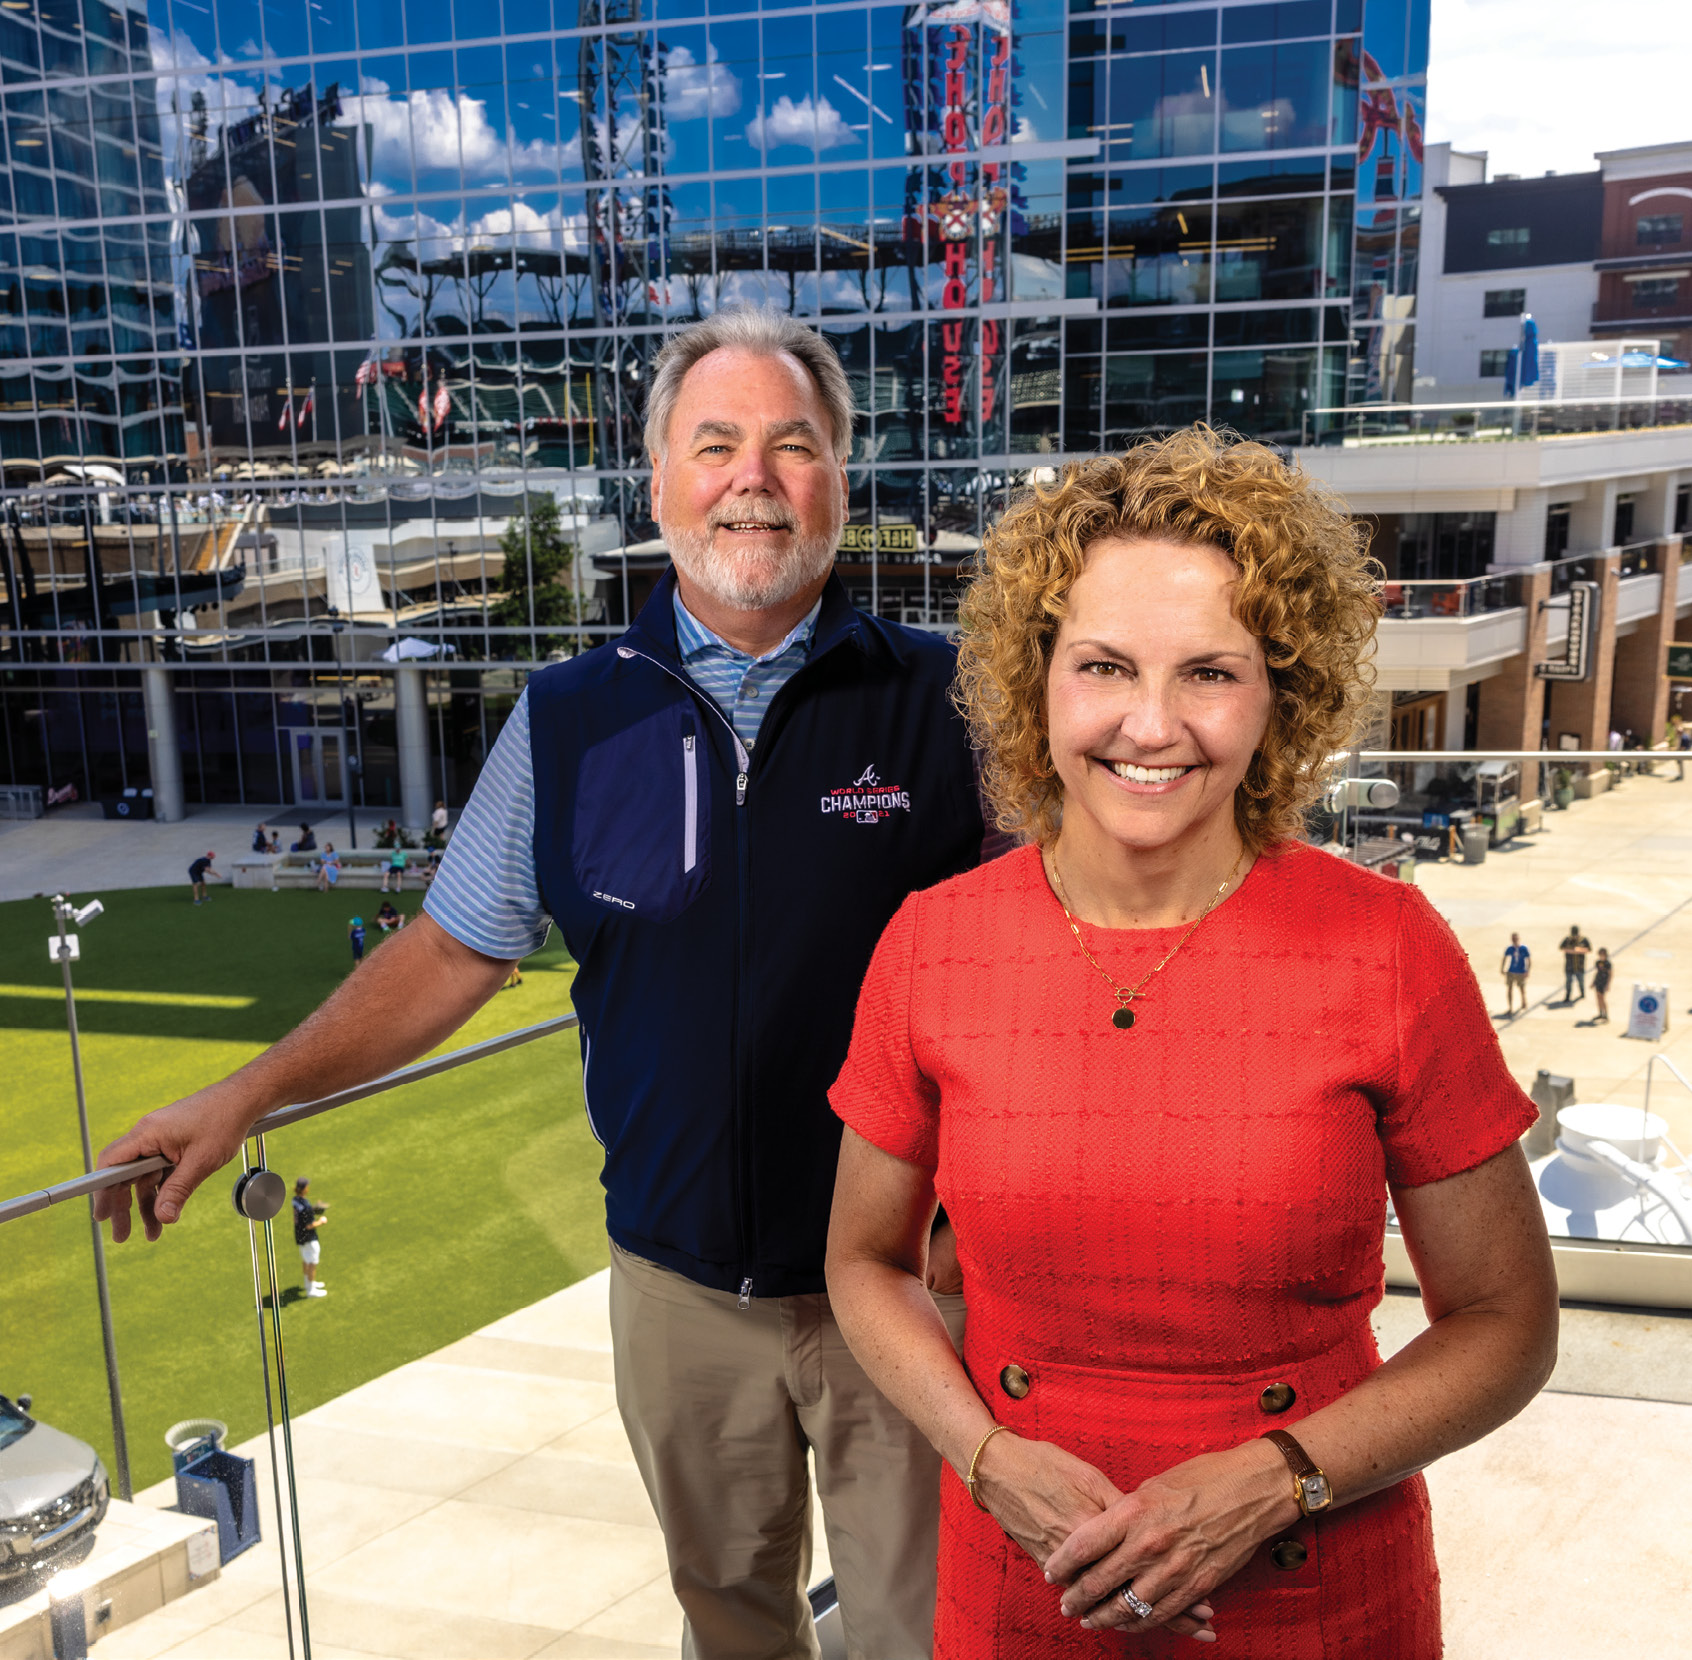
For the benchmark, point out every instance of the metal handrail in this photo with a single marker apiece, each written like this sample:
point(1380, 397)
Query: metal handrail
point(116, 1175)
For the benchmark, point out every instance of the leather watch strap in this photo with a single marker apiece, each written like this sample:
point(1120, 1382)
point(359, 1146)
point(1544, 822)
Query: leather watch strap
point(1298, 1460)
point(1311, 1488)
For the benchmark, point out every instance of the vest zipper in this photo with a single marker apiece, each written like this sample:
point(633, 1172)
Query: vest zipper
point(745, 1300)
point(742, 759)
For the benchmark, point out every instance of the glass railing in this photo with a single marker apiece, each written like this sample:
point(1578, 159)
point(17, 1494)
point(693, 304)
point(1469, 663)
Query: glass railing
point(1472, 597)
point(1493, 421)
point(441, 1406)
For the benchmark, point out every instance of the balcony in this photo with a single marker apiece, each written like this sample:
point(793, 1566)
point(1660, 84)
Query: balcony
point(1501, 421)
point(476, 1494)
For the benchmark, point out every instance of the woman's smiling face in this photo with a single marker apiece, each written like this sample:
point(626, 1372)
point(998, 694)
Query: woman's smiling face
point(1157, 697)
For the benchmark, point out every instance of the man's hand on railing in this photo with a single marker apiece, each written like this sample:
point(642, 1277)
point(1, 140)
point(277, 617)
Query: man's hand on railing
point(413, 994)
point(198, 1135)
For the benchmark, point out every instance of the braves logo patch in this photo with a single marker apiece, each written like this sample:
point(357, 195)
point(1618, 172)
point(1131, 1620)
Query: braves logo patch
point(866, 800)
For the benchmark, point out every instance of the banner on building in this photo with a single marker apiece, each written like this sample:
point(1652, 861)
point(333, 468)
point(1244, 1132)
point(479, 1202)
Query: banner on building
point(960, 74)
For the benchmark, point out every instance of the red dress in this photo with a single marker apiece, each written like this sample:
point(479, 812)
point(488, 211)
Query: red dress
point(1157, 1224)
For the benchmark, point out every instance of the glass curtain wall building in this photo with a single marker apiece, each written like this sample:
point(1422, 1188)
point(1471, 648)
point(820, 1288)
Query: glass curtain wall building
point(330, 320)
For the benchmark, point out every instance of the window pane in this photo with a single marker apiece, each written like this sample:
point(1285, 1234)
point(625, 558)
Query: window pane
point(1275, 97)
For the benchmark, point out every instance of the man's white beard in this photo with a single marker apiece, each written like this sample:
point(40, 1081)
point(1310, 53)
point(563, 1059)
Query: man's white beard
point(751, 579)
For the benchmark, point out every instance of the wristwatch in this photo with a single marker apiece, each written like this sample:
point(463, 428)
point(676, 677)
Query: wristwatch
point(1310, 1486)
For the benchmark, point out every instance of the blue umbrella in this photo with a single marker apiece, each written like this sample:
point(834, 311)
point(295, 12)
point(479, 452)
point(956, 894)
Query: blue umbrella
point(1528, 375)
point(1512, 363)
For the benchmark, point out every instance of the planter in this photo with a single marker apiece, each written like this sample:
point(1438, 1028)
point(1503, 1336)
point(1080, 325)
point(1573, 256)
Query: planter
point(1563, 795)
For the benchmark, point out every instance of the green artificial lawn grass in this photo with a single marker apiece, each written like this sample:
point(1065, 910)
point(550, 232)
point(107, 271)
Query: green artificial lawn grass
point(452, 1202)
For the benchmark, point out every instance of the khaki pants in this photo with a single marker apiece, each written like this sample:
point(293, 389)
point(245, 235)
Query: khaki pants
point(722, 1405)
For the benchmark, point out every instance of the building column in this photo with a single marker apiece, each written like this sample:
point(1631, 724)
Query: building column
point(1519, 538)
point(411, 721)
point(1593, 517)
point(1641, 694)
point(1583, 706)
point(1512, 702)
point(164, 757)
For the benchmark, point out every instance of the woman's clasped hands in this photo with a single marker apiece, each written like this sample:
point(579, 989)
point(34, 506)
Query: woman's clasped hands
point(1173, 1540)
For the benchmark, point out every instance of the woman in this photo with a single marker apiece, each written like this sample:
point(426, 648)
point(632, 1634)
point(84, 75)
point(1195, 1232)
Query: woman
point(1161, 1067)
point(1602, 972)
point(328, 868)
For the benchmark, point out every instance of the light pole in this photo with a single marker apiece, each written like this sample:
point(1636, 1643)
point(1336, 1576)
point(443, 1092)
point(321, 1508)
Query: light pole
point(351, 760)
point(64, 951)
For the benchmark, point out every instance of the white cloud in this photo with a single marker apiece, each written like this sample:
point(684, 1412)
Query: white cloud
point(813, 125)
point(442, 128)
point(1545, 87)
point(693, 89)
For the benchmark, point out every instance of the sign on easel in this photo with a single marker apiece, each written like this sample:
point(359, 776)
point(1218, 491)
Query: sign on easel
point(1647, 1015)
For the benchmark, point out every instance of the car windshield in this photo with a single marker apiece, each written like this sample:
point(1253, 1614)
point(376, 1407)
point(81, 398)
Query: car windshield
point(14, 1424)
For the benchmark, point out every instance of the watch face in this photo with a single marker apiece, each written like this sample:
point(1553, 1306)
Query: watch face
point(1317, 1494)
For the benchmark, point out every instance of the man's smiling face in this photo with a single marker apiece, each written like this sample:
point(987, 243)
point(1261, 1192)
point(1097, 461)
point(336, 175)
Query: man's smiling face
point(750, 495)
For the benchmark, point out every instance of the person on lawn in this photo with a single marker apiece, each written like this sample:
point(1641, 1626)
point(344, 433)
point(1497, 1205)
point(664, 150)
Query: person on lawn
point(308, 1218)
point(736, 796)
point(197, 874)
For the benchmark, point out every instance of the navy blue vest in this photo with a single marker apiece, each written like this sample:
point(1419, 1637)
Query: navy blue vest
point(723, 908)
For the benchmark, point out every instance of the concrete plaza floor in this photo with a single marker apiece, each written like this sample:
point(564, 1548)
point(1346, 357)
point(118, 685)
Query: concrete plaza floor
point(483, 1501)
point(482, 1504)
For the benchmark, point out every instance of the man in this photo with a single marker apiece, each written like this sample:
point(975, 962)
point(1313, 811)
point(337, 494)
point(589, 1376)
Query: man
point(197, 874)
point(308, 1218)
point(1517, 965)
point(1574, 947)
point(733, 798)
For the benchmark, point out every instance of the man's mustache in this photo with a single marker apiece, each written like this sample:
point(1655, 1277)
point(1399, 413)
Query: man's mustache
point(760, 510)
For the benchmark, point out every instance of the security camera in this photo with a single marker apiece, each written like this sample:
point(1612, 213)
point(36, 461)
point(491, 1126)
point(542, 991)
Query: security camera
point(88, 913)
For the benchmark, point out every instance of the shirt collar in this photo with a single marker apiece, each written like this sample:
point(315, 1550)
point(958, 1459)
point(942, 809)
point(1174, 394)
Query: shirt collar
point(694, 639)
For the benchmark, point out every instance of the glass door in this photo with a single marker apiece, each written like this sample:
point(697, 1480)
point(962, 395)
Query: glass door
point(318, 778)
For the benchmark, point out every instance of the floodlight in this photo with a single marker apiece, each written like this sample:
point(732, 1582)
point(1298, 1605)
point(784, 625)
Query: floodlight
point(88, 913)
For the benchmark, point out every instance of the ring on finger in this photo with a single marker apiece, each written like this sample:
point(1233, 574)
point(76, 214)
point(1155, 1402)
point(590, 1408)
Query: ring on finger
point(1138, 1607)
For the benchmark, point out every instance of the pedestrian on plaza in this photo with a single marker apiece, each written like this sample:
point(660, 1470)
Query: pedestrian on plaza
point(1171, 1239)
point(355, 935)
point(1517, 965)
point(1682, 743)
point(328, 868)
point(197, 874)
point(1602, 969)
point(1574, 947)
point(734, 796)
point(438, 819)
point(261, 840)
point(308, 1219)
point(307, 842)
point(395, 868)
point(388, 919)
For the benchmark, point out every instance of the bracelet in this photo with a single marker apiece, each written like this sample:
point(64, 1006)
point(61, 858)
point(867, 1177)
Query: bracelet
point(969, 1480)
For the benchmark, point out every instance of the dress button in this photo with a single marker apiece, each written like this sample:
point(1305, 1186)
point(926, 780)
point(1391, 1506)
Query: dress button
point(1276, 1398)
point(1014, 1381)
point(1288, 1554)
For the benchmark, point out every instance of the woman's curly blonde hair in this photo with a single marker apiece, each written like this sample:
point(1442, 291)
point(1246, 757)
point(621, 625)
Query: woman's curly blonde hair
point(1307, 589)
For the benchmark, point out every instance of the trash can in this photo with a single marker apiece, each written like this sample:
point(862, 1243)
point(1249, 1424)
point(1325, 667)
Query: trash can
point(1551, 1092)
point(222, 1488)
point(1475, 837)
point(192, 1437)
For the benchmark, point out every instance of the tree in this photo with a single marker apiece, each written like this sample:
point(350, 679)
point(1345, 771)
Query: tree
point(538, 563)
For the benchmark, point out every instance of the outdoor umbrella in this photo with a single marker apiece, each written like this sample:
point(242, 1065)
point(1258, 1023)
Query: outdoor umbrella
point(408, 646)
point(1528, 372)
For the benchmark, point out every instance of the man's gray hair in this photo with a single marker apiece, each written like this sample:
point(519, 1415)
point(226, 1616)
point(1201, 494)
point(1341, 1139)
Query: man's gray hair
point(765, 332)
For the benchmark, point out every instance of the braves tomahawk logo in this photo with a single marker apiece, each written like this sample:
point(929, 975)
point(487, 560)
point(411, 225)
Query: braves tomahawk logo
point(866, 800)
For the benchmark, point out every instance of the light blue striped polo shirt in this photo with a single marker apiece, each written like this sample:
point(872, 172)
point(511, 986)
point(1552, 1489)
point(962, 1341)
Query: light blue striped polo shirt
point(485, 893)
point(739, 684)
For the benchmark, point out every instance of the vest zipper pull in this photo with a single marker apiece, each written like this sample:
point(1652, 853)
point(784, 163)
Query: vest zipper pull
point(746, 1292)
point(740, 790)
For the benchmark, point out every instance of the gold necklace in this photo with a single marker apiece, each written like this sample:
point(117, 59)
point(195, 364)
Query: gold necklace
point(1122, 1017)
